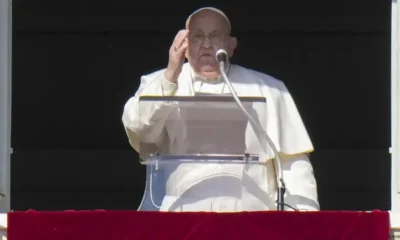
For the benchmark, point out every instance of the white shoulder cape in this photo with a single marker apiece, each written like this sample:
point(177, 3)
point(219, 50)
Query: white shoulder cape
point(284, 124)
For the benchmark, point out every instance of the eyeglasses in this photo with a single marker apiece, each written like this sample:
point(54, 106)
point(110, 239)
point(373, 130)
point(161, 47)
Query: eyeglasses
point(215, 38)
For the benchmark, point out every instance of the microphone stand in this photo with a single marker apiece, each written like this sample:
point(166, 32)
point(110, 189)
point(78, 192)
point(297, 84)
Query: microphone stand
point(277, 161)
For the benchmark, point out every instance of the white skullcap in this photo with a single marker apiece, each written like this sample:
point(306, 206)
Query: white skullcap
point(210, 9)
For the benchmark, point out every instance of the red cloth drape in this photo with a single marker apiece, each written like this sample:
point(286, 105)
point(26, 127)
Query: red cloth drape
point(124, 225)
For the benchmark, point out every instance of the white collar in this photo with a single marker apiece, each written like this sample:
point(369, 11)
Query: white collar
point(195, 77)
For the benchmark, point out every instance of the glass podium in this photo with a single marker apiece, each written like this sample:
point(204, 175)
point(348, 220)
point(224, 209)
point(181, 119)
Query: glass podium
point(188, 141)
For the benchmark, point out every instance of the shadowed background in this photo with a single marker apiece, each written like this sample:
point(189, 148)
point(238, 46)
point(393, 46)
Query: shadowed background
point(76, 63)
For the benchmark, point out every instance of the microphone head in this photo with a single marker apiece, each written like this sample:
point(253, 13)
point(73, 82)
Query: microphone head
point(221, 55)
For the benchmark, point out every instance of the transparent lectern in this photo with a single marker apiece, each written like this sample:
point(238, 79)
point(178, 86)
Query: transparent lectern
point(187, 140)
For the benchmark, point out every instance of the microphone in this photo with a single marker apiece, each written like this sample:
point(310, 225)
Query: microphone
point(222, 56)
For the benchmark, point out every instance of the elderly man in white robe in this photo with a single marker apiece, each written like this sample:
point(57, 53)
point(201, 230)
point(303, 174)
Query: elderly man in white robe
point(255, 188)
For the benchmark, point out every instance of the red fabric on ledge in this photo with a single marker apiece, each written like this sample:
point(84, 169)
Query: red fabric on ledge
point(124, 225)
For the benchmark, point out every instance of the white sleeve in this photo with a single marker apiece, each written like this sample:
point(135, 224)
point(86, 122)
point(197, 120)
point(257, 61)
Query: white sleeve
point(301, 185)
point(146, 124)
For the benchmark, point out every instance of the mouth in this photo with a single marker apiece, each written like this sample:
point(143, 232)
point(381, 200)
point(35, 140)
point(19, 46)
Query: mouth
point(206, 55)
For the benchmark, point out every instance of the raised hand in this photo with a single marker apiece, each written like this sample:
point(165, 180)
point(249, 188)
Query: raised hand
point(177, 56)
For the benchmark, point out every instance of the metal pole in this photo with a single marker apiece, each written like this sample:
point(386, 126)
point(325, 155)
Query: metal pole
point(5, 103)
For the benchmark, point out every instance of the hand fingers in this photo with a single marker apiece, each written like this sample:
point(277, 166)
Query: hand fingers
point(180, 38)
point(182, 48)
point(179, 33)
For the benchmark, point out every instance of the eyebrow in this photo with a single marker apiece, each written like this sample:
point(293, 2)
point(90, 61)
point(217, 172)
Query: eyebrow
point(200, 31)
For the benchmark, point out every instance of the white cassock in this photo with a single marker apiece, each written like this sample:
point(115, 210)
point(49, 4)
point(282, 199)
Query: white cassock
point(223, 187)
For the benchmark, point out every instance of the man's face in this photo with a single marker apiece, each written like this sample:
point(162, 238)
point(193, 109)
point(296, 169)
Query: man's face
point(208, 32)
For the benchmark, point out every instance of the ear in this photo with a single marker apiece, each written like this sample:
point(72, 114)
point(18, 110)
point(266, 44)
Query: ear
point(232, 46)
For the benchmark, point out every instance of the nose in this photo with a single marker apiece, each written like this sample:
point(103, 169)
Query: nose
point(207, 42)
